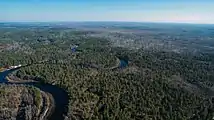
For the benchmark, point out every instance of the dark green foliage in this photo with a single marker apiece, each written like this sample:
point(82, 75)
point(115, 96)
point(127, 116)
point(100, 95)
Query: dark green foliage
point(156, 85)
point(37, 96)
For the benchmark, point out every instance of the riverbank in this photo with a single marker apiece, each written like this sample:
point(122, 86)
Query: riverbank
point(54, 100)
point(47, 106)
point(23, 102)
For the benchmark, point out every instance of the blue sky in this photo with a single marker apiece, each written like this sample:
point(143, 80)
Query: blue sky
point(181, 11)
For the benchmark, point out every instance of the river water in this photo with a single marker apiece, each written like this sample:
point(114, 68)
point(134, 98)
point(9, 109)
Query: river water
point(123, 63)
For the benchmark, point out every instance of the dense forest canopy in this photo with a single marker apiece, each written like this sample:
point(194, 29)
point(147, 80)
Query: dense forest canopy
point(169, 75)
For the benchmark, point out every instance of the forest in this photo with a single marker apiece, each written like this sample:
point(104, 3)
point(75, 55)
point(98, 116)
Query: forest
point(169, 73)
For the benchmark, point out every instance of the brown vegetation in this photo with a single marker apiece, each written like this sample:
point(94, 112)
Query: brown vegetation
point(23, 102)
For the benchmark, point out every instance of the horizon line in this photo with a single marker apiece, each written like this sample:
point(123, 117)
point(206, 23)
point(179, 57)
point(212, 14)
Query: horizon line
point(93, 21)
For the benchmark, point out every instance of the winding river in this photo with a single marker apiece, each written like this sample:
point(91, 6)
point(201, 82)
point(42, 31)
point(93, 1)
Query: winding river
point(60, 96)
